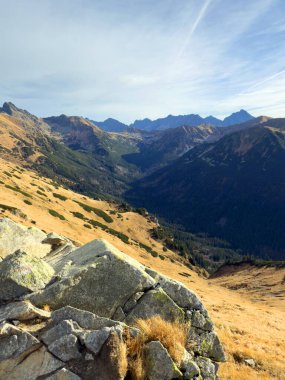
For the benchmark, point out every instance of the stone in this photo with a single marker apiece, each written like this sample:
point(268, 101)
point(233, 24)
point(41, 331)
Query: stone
point(155, 302)
point(207, 344)
point(100, 279)
point(63, 374)
point(250, 362)
point(184, 297)
point(54, 239)
point(201, 321)
point(15, 345)
point(158, 363)
point(132, 301)
point(65, 348)
point(94, 340)
point(207, 368)
point(85, 319)
point(21, 274)
point(38, 363)
point(119, 314)
point(188, 366)
point(63, 328)
point(14, 236)
point(21, 311)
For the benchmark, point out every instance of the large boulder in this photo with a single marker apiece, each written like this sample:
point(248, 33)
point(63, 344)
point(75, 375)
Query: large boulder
point(158, 363)
point(96, 277)
point(20, 274)
point(14, 236)
point(15, 345)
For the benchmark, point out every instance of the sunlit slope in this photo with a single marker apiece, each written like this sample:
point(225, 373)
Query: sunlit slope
point(247, 329)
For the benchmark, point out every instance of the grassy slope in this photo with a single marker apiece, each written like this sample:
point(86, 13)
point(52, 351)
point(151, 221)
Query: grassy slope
point(248, 326)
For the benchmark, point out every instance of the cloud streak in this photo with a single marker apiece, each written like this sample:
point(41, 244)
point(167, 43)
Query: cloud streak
point(138, 58)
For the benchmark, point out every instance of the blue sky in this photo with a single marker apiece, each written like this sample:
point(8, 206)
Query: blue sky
point(131, 59)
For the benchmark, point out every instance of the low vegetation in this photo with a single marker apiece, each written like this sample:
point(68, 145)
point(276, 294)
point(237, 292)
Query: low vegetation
point(59, 196)
point(102, 214)
point(172, 335)
point(56, 214)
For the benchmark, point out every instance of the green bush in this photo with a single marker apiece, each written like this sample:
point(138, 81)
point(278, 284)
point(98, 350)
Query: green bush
point(28, 202)
point(56, 214)
point(154, 254)
point(59, 196)
point(102, 214)
point(16, 189)
point(78, 215)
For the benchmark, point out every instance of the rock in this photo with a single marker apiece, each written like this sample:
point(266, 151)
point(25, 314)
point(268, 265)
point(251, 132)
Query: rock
point(21, 274)
point(207, 344)
point(158, 363)
point(119, 314)
point(38, 363)
point(200, 321)
point(22, 311)
point(14, 236)
point(131, 303)
point(181, 295)
point(155, 302)
point(63, 328)
point(94, 340)
point(15, 345)
point(65, 348)
point(188, 366)
point(85, 319)
point(250, 362)
point(63, 374)
point(55, 240)
point(91, 281)
point(207, 368)
point(110, 363)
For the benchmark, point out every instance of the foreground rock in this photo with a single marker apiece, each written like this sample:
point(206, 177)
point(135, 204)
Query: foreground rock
point(14, 236)
point(21, 274)
point(97, 293)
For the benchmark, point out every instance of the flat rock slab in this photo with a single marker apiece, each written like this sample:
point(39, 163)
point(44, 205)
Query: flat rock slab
point(22, 311)
point(96, 277)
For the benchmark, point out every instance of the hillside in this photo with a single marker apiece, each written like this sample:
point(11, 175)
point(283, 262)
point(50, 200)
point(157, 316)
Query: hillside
point(22, 187)
point(230, 189)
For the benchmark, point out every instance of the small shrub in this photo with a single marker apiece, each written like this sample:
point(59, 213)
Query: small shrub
point(172, 335)
point(162, 257)
point(87, 226)
point(16, 176)
point(41, 193)
point(8, 174)
point(78, 215)
point(17, 190)
point(154, 254)
point(56, 214)
point(102, 214)
point(28, 202)
point(59, 196)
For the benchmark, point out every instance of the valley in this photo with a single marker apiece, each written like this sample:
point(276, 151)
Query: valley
point(37, 201)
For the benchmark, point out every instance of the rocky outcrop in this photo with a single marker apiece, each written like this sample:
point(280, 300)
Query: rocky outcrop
point(20, 274)
point(97, 293)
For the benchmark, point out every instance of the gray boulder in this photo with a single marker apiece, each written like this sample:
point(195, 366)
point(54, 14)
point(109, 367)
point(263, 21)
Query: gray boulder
point(155, 302)
point(85, 319)
point(15, 345)
point(207, 368)
point(14, 236)
point(66, 348)
point(21, 274)
point(50, 335)
point(158, 363)
point(38, 363)
point(22, 311)
point(91, 275)
point(207, 344)
point(63, 374)
point(94, 340)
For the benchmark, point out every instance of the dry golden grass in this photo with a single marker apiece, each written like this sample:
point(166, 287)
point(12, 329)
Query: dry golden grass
point(118, 354)
point(172, 335)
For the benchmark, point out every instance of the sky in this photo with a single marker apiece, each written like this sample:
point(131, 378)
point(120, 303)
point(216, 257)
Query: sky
point(131, 59)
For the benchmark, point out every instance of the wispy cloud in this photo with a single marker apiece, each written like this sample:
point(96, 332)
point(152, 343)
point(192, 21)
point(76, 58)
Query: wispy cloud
point(139, 58)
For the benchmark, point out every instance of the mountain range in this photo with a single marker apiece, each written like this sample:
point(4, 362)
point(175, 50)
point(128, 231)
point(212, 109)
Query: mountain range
point(227, 182)
point(113, 125)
